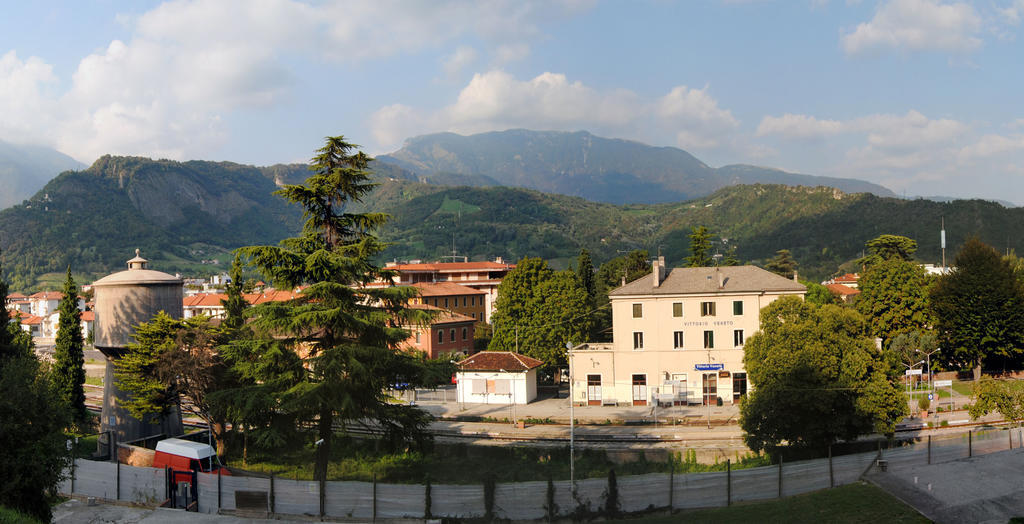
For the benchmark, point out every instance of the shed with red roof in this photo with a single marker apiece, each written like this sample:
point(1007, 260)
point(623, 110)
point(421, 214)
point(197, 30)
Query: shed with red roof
point(498, 377)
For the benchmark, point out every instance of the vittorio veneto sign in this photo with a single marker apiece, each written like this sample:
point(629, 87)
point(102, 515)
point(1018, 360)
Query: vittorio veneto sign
point(709, 367)
point(705, 323)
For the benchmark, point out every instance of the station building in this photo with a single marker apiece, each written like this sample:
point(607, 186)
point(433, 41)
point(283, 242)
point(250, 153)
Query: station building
point(678, 337)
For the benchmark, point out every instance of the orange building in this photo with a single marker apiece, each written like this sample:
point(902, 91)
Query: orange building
point(463, 300)
point(449, 333)
point(483, 276)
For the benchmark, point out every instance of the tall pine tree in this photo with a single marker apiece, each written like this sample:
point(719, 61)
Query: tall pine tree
point(700, 248)
point(69, 355)
point(347, 335)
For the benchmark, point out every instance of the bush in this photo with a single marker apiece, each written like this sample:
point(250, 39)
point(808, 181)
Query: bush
point(944, 423)
point(923, 403)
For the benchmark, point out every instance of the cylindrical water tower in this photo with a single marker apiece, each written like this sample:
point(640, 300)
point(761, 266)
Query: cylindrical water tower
point(124, 300)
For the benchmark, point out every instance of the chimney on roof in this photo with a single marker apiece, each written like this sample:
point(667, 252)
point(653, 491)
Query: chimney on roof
point(721, 278)
point(658, 270)
point(499, 260)
point(794, 276)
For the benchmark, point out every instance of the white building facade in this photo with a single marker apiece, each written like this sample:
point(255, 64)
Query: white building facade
point(678, 337)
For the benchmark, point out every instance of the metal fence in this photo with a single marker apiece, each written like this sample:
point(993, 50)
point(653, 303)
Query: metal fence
point(530, 500)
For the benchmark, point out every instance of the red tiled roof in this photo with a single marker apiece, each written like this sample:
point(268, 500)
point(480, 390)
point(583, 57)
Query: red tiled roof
point(271, 295)
point(214, 299)
point(204, 300)
point(16, 296)
point(30, 320)
point(849, 277)
point(841, 289)
point(444, 289)
point(89, 316)
point(452, 266)
point(499, 360)
point(444, 316)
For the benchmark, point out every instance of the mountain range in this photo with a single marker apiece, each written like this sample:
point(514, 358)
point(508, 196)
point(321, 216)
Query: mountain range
point(25, 169)
point(581, 164)
point(188, 216)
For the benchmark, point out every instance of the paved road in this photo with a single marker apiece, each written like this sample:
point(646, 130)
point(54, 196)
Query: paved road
point(984, 488)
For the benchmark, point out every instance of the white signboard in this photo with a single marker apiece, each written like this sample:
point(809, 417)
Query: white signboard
point(943, 383)
point(913, 372)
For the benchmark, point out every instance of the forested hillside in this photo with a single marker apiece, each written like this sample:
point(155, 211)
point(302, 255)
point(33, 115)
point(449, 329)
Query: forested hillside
point(177, 213)
point(182, 214)
point(822, 227)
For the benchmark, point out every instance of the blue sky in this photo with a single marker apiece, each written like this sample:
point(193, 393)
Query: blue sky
point(923, 96)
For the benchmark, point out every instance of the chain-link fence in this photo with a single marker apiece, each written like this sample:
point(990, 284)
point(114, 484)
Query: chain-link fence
point(537, 499)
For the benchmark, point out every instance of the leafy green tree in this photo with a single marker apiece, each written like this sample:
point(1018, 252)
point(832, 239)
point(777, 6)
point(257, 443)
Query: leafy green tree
point(69, 352)
point(33, 417)
point(177, 359)
point(730, 257)
point(888, 247)
point(345, 335)
point(909, 348)
point(782, 263)
point(894, 299)
point(819, 379)
point(818, 294)
point(979, 308)
point(629, 267)
point(1003, 396)
point(610, 275)
point(700, 248)
point(539, 310)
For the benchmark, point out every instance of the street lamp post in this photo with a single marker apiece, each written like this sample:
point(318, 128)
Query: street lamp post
point(928, 359)
point(910, 377)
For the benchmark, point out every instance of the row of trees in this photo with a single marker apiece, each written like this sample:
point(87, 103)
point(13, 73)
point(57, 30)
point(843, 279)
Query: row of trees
point(974, 312)
point(36, 409)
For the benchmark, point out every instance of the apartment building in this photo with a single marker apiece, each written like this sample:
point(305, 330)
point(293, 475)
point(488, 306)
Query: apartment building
point(678, 337)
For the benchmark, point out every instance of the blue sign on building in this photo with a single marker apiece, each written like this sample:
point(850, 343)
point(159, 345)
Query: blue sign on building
point(709, 367)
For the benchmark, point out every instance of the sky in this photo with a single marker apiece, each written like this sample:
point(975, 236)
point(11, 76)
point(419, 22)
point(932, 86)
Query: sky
point(925, 97)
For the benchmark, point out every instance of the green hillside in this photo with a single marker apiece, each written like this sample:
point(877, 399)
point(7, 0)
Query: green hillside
point(823, 227)
point(186, 215)
point(177, 213)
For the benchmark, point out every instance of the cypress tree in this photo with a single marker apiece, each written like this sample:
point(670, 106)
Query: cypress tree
point(700, 248)
point(234, 306)
point(586, 273)
point(69, 356)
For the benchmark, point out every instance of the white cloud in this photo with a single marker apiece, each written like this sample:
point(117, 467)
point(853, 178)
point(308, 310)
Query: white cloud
point(991, 145)
point(496, 100)
point(1012, 13)
point(190, 63)
point(792, 126)
point(462, 58)
point(24, 99)
point(917, 25)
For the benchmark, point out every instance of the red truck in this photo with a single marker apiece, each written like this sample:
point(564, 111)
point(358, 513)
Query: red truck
point(181, 455)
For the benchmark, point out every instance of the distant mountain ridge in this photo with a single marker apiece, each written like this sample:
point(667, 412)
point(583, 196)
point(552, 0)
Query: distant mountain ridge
point(25, 169)
point(177, 212)
point(581, 164)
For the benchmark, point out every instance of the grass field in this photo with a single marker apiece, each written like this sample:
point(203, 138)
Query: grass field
point(10, 516)
point(852, 504)
point(353, 459)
